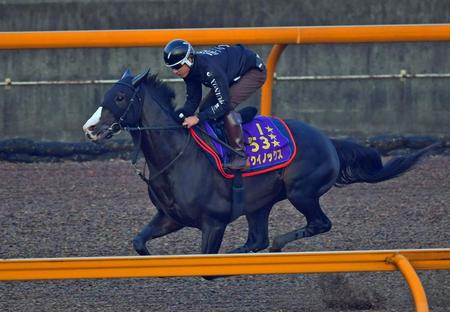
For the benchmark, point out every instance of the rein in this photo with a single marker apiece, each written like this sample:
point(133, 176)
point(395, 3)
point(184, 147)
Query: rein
point(152, 128)
point(224, 144)
point(141, 174)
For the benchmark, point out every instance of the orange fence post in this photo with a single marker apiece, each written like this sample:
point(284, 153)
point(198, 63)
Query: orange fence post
point(413, 281)
point(266, 92)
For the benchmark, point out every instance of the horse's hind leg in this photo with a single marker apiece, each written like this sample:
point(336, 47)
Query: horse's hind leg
point(258, 231)
point(160, 225)
point(316, 222)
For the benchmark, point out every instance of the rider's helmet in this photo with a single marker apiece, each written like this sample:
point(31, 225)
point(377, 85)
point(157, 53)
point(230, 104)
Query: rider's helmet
point(177, 53)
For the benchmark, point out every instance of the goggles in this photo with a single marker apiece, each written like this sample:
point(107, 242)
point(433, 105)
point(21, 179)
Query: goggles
point(179, 64)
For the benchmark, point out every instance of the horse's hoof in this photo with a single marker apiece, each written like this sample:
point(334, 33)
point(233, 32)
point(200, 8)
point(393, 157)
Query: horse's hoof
point(139, 246)
point(276, 247)
point(241, 249)
point(277, 244)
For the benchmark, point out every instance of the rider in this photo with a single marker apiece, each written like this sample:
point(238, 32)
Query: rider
point(233, 73)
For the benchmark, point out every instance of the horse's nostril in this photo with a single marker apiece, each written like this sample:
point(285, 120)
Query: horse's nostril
point(91, 128)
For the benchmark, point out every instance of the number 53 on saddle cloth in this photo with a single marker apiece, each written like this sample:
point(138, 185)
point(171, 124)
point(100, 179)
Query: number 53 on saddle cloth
point(269, 146)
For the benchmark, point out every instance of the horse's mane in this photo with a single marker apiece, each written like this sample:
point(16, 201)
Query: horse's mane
point(161, 91)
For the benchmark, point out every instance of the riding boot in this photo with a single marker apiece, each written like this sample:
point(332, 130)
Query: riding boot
point(233, 129)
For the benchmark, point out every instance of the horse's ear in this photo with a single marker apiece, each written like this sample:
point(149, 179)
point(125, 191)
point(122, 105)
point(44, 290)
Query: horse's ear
point(126, 73)
point(142, 76)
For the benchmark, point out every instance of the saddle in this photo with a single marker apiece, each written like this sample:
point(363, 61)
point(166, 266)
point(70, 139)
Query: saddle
point(269, 144)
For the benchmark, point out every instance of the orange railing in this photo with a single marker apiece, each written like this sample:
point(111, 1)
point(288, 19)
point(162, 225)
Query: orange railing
point(407, 261)
point(280, 37)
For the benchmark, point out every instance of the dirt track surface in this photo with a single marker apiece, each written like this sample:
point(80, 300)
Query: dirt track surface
point(95, 208)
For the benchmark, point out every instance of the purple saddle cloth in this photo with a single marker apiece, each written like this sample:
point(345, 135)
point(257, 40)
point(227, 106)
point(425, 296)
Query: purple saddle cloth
point(267, 143)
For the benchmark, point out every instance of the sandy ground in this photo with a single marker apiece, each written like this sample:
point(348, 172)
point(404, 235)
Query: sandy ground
point(82, 209)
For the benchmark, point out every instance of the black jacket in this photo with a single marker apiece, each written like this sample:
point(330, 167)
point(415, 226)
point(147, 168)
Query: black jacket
point(217, 68)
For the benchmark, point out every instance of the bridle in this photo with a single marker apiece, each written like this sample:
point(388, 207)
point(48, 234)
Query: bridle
point(118, 126)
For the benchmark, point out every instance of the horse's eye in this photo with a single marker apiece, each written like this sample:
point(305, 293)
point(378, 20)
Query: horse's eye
point(120, 98)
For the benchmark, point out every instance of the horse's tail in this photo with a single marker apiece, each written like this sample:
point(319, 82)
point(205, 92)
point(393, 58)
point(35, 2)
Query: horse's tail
point(363, 164)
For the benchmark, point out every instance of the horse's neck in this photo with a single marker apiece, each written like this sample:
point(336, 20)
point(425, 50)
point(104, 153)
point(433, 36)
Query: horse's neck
point(160, 146)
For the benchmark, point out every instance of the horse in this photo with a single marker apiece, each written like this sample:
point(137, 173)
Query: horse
point(188, 191)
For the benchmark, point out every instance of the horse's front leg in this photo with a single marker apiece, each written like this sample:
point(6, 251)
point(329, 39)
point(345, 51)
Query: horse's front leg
point(160, 225)
point(212, 235)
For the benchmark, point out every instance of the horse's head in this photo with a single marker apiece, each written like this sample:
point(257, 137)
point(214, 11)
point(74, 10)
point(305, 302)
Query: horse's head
point(121, 107)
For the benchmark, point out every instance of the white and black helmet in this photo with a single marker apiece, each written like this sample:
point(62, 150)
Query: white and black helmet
point(177, 53)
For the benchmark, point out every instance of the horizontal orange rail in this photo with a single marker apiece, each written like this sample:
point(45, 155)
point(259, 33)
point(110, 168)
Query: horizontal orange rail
point(234, 264)
point(221, 264)
point(203, 36)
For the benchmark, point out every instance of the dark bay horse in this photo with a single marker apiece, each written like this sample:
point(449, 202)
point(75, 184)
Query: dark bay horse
point(188, 191)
